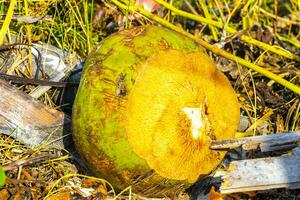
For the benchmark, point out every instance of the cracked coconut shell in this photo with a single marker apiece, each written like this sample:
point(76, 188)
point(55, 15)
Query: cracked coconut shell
point(150, 102)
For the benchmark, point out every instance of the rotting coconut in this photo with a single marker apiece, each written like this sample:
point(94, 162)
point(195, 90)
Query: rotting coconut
point(149, 103)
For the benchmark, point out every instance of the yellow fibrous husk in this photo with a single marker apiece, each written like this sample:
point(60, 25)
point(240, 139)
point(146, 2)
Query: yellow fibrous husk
point(179, 103)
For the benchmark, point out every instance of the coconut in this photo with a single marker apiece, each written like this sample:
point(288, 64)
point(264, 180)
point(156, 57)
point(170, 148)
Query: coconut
point(149, 103)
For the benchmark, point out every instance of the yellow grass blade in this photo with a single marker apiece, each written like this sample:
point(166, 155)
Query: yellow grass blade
point(7, 20)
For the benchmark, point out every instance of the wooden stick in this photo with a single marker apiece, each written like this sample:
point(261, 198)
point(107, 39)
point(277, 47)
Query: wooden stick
point(266, 143)
point(29, 161)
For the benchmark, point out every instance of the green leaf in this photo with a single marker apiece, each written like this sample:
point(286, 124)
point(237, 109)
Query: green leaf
point(2, 176)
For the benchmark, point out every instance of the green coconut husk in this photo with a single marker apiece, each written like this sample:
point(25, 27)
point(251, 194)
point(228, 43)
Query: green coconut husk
point(101, 108)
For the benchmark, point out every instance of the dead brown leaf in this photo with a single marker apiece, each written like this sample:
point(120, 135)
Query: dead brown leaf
point(4, 194)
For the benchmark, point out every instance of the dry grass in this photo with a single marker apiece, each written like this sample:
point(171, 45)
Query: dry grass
point(264, 32)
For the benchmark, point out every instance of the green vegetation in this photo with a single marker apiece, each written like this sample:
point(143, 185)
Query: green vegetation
point(2, 177)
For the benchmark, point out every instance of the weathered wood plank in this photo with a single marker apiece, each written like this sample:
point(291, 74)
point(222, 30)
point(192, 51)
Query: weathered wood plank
point(29, 121)
point(265, 142)
point(261, 174)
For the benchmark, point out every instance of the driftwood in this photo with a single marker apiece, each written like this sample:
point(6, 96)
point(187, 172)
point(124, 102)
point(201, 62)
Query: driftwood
point(266, 143)
point(262, 173)
point(29, 121)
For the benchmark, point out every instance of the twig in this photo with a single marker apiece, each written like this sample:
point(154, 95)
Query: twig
point(207, 15)
point(278, 18)
point(29, 81)
point(265, 142)
point(191, 8)
point(29, 19)
point(29, 161)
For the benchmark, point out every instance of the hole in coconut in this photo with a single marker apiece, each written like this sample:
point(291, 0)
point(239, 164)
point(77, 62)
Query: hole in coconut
point(199, 121)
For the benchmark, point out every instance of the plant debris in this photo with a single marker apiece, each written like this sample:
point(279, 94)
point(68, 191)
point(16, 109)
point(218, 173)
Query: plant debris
point(265, 33)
